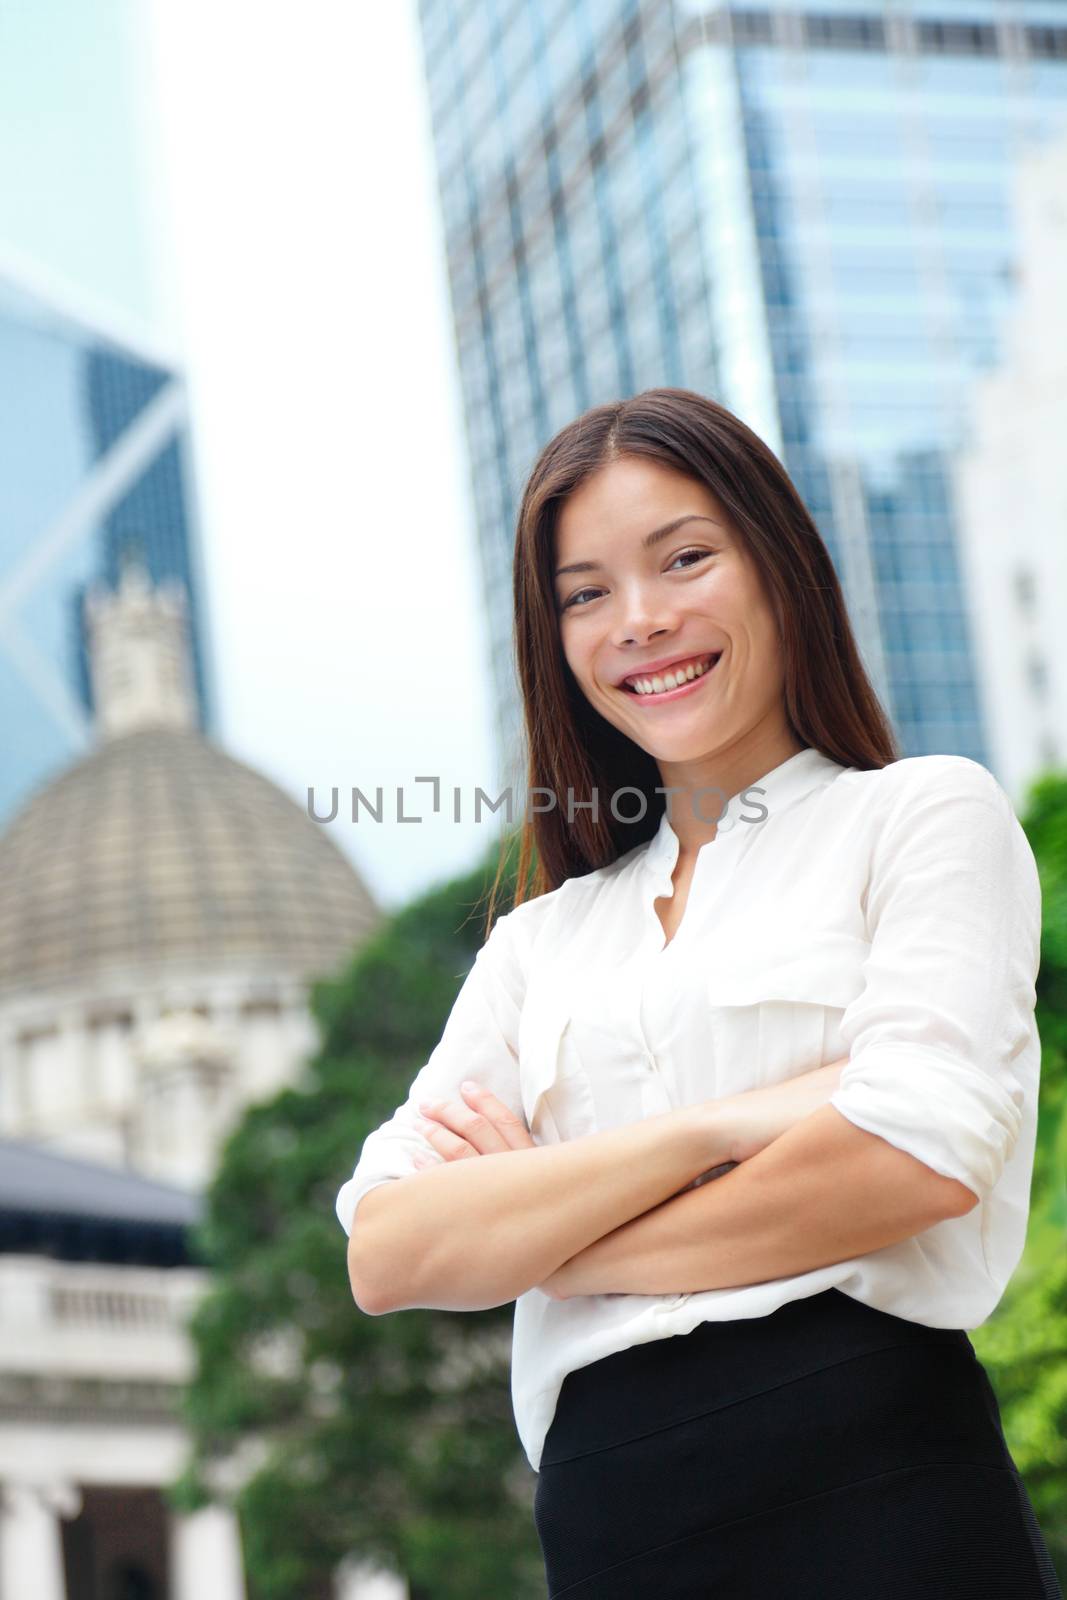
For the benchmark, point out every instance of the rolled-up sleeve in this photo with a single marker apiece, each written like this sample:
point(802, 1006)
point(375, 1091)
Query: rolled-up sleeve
point(947, 1011)
point(480, 1041)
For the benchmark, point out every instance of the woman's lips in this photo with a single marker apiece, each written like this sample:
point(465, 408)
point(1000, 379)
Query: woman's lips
point(673, 694)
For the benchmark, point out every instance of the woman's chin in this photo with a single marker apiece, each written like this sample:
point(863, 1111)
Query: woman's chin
point(674, 748)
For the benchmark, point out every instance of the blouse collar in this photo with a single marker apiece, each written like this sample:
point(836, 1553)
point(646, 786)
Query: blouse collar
point(791, 780)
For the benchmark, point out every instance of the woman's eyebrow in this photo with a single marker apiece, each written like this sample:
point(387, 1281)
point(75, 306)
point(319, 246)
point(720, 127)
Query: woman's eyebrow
point(646, 543)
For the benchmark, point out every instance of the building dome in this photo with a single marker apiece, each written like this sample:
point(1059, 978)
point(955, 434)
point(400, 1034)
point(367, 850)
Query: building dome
point(158, 849)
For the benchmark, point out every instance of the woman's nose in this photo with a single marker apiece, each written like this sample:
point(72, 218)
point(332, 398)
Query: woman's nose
point(642, 619)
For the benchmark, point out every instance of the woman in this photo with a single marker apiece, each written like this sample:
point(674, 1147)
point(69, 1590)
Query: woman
point(759, 949)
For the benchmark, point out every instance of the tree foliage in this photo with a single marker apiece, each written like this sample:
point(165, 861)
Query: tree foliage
point(1023, 1345)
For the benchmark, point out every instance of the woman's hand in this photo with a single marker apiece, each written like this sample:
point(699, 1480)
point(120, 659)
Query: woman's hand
point(477, 1125)
point(753, 1118)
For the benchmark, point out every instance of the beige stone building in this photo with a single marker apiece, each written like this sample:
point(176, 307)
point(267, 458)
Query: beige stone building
point(164, 909)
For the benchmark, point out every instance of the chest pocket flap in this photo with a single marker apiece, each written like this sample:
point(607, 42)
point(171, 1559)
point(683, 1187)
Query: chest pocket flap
point(775, 1006)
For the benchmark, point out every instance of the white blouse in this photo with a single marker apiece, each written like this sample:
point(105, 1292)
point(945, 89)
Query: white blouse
point(892, 916)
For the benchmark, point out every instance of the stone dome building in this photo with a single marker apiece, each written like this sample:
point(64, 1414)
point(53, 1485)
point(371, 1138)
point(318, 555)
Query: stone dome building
point(164, 910)
point(158, 850)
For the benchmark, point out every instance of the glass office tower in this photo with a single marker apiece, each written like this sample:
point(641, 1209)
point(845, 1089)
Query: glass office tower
point(802, 211)
point(94, 464)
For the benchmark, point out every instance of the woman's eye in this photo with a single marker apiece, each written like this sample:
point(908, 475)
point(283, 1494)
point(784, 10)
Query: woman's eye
point(697, 554)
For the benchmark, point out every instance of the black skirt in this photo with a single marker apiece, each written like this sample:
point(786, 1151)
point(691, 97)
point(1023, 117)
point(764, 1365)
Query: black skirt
point(826, 1449)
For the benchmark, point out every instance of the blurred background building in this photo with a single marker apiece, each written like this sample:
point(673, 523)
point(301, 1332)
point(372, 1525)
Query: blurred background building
point(94, 460)
point(803, 210)
point(96, 1284)
point(163, 914)
point(1012, 493)
point(164, 907)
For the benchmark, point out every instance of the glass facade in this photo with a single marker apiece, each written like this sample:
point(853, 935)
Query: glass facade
point(804, 211)
point(93, 463)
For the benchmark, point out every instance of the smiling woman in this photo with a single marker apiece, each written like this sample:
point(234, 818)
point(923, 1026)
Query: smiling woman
point(652, 532)
point(665, 602)
point(818, 990)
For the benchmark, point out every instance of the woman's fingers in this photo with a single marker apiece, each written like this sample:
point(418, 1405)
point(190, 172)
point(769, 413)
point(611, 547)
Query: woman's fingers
point(512, 1129)
point(479, 1124)
point(442, 1139)
point(456, 1130)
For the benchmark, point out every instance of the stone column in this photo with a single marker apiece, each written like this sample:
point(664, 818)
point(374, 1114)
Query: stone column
point(205, 1556)
point(355, 1580)
point(31, 1540)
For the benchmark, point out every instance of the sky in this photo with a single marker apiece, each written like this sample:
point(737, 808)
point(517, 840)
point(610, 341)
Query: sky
point(74, 179)
point(253, 185)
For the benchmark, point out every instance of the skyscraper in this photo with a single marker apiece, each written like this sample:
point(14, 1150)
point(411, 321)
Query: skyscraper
point(94, 467)
point(1011, 495)
point(801, 210)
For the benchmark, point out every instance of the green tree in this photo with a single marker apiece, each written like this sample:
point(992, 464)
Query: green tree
point(388, 1437)
point(1023, 1345)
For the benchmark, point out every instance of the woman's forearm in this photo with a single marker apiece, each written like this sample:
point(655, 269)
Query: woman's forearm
point(475, 1233)
point(824, 1191)
point(472, 1234)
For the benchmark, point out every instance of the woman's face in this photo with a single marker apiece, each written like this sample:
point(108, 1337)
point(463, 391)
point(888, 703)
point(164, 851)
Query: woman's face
point(691, 594)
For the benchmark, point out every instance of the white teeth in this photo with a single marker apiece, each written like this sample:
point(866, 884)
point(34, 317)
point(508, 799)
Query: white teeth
point(670, 680)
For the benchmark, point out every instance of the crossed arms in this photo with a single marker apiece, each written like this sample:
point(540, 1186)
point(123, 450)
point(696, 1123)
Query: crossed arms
point(612, 1212)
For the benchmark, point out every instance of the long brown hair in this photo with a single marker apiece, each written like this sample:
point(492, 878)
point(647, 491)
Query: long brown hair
point(830, 703)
